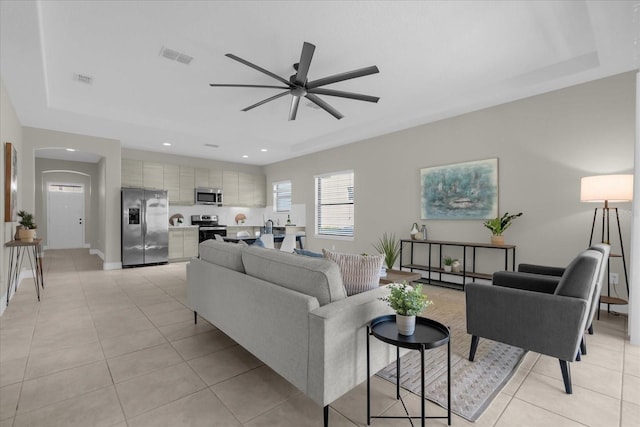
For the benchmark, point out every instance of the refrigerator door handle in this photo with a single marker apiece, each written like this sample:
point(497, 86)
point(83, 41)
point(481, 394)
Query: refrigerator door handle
point(144, 223)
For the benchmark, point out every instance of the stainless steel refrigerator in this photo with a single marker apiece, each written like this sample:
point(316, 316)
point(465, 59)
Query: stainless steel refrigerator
point(145, 226)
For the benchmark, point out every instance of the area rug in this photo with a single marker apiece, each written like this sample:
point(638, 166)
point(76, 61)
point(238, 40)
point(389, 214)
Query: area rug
point(474, 385)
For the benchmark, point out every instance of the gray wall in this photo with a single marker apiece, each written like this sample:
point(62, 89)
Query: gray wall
point(10, 131)
point(544, 144)
point(75, 172)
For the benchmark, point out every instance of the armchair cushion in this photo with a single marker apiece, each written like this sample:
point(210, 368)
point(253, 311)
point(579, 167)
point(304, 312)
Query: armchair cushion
point(541, 269)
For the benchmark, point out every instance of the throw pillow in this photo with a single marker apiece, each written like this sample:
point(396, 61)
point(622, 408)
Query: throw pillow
point(307, 253)
point(258, 243)
point(360, 273)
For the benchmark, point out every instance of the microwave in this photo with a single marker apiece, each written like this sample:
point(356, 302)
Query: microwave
point(208, 196)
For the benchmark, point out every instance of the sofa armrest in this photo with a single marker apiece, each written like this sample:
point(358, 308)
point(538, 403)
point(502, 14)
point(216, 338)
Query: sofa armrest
point(526, 281)
point(541, 269)
point(337, 345)
point(548, 324)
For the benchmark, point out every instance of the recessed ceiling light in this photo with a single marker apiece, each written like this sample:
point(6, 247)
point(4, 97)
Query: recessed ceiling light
point(264, 150)
point(245, 156)
point(166, 144)
point(70, 149)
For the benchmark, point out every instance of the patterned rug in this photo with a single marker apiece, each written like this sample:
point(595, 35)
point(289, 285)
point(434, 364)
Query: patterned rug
point(474, 385)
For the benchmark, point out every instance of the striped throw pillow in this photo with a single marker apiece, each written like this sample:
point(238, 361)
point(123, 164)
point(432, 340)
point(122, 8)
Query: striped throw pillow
point(360, 273)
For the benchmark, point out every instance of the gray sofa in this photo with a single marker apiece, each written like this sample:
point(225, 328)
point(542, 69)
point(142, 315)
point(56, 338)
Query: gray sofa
point(291, 312)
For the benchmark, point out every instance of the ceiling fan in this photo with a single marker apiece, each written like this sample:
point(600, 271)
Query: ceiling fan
point(299, 87)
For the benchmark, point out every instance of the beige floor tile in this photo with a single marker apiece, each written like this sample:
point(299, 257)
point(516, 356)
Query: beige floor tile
point(629, 349)
point(154, 389)
point(224, 364)
point(12, 371)
point(58, 360)
point(519, 376)
point(353, 405)
point(630, 414)
point(8, 423)
point(9, 400)
point(99, 408)
point(603, 356)
point(201, 409)
point(632, 365)
point(63, 385)
point(253, 393)
point(123, 344)
point(151, 297)
point(584, 405)
point(15, 348)
point(142, 361)
point(631, 389)
point(298, 411)
point(185, 329)
point(583, 374)
point(202, 344)
point(162, 307)
point(167, 318)
point(109, 328)
point(413, 404)
point(491, 414)
point(62, 339)
point(523, 414)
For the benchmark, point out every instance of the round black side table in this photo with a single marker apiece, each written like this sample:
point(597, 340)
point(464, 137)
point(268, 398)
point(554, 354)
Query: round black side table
point(428, 334)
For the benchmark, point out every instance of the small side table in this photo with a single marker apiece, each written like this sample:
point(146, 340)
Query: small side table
point(18, 249)
point(429, 334)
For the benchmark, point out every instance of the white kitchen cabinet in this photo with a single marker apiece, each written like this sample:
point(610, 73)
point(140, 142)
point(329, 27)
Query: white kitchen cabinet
point(172, 183)
point(187, 185)
point(230, 189)
point(183, 243)
point(153, 175)
point(245, 189)
point(202, 178)
point(131, 173)
point(259, 191)
point(215, 178)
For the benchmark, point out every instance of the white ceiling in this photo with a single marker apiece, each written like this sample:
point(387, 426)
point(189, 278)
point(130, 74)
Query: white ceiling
point(436, 60)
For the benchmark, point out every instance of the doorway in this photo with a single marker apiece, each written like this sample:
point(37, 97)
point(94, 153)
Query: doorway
point(65, 216)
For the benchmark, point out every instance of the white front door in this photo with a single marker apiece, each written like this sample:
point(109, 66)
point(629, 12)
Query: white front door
point(65, 216)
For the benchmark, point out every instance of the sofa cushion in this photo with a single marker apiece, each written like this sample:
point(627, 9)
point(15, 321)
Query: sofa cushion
point(317, 277)
point(223, 254)
point(360, 273)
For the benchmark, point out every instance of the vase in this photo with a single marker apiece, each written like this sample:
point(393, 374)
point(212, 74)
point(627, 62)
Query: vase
point(497, 240)
point(415, 232)
point(447, 268)
point(26, 234)
point(455, 267)
point(406, 324)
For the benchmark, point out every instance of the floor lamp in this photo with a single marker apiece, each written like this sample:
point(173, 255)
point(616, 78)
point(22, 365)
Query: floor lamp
point(608, 188)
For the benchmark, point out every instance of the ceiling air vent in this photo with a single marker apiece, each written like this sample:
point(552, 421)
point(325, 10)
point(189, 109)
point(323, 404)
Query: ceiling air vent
point(174, 55)
point(83, 78)
point(212, 145)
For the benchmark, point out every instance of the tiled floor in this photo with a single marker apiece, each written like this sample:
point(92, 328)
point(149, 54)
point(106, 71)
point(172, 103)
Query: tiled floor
point(119, 348)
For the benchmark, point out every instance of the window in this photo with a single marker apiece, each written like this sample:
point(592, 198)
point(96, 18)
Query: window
point(334, 204)
point(282, 196)
point(65, 188)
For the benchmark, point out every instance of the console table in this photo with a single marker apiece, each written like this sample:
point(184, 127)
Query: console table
point(18, 249)
point(467, 271)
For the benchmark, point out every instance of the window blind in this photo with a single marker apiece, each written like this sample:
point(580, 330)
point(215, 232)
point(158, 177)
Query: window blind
point(335, 204)
point(282, 196)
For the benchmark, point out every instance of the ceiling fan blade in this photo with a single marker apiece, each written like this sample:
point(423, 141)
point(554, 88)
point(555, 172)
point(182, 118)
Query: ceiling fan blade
point(238, 85)
point(305, 62)
point(293, 111)
point(320, 103)
point(255, 67)
point(343, 76)
point(264, 101)
point(342, 94)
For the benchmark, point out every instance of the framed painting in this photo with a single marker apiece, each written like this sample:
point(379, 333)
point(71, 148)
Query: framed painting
point(460, 191)
point(10, 183)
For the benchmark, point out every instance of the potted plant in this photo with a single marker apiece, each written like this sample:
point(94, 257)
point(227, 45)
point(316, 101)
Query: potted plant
point(448, 263)
point(498, 225)
point(388, 246)
point(28, 228)
point(407, 302)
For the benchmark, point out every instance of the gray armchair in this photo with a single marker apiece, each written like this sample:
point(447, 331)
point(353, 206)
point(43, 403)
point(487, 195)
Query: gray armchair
point(518, 313)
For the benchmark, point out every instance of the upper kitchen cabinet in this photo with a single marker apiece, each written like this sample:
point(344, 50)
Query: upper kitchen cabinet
point(172, 182)
point(187, 185)
point(230, 189)
point(153, 175)
point(260, 190)
point(215, 178)
point(208, 178)
point(131, 173)
point(245, 188)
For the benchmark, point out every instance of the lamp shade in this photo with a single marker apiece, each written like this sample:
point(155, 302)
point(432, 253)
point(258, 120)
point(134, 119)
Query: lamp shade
point(613, 188)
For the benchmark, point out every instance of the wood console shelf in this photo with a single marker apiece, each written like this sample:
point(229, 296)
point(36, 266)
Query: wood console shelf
point(466, 272)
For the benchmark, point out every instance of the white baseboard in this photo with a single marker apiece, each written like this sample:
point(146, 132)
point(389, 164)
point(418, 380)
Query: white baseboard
point(97, 252)
point(112, 266)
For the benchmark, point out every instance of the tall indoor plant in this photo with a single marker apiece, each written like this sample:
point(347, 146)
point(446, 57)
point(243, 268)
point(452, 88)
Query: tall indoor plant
point(388, 246)
point(407, 302)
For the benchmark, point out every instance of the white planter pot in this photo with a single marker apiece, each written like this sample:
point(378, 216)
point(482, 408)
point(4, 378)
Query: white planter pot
point(447, 268)
point(406, 324)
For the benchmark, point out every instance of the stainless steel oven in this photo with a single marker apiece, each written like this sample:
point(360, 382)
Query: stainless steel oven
point(208, 227)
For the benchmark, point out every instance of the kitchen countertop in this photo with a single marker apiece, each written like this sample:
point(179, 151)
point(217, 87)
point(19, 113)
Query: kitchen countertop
point(175, 227)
